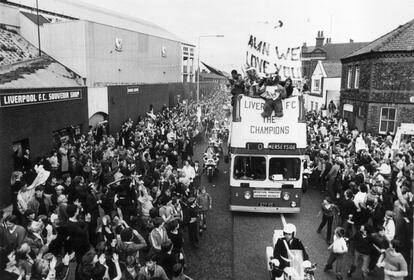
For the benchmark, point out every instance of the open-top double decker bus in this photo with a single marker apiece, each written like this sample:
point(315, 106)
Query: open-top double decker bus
point(266, 157)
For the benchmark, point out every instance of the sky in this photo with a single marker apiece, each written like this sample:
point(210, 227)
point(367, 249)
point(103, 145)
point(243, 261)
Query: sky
point(360, 20)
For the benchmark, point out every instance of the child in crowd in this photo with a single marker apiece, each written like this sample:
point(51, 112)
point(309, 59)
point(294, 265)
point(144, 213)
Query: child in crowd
point(328, 211)
point(338, 249)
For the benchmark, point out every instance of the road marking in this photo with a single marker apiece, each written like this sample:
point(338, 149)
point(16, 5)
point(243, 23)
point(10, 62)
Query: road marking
point(282, 217)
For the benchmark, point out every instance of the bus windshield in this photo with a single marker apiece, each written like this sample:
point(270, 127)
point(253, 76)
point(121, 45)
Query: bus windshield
point(249, 168)
point(287, 169)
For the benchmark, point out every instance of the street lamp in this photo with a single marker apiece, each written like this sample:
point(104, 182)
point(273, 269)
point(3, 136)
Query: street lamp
point(198, 62)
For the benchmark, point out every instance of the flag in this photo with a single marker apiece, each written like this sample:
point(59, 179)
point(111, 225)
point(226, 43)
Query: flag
point(215, 71)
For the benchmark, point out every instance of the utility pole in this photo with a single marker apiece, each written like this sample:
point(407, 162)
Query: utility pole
point(38, 28)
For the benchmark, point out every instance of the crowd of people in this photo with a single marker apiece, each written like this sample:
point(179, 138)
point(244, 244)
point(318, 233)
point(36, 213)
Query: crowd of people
point(368, 189)
point(117, 206)
point(104, 206)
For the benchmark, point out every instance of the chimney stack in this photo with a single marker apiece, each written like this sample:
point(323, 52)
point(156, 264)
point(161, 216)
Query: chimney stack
point(351, 40)
point(304, 47)
point(319, 39)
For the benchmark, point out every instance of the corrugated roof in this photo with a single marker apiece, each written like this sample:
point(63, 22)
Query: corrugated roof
point(33, 18)
point(333, 69)
point(399, 39)
point(85, 11)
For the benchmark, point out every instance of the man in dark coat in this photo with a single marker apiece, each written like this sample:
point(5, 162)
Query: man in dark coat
point(289, 241)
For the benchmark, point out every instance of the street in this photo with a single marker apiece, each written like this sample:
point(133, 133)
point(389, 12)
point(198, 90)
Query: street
point(234, 246)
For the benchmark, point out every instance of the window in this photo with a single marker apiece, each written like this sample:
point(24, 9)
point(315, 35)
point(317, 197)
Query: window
point(316, 106)
point(360, 111)
point(387, 120)
point(284, 169)
point(316, 85)
point(356, 82)
point(349, 78)
point(311, 105)
point(249, 168)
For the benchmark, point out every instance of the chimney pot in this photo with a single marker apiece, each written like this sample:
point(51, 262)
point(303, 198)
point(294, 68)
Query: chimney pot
point(351, 40)
point(319, 39)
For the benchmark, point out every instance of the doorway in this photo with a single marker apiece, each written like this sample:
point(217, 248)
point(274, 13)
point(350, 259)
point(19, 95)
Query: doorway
point(19, 148)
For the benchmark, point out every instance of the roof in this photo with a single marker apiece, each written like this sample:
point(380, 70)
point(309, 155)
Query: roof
point(333, 69)
point(82, 10)
point(33, 18)
point(210, 75)
point(337, 51)
point(37, 73)
point(14, 48)
point(399, 39)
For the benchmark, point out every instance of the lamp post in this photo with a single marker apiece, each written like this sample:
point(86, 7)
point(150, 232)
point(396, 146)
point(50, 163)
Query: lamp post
point(198, 62)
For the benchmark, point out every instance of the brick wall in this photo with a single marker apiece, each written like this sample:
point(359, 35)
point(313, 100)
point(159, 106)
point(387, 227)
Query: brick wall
point(395, 73)
point(386, 80)
point(386, 77)
point(405, 114)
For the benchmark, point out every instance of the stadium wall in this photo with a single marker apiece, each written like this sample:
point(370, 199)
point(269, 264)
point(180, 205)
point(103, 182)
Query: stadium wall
point(106, 54)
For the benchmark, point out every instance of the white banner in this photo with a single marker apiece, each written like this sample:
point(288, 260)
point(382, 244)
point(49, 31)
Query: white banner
point(272, 50)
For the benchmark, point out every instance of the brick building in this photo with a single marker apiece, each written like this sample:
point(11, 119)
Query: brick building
point(377, 86)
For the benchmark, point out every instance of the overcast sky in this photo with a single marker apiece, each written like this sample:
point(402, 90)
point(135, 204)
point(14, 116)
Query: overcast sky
point(360, 20)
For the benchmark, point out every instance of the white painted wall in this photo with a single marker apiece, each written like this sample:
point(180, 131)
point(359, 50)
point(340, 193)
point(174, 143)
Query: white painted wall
point(140, 60)
point(28, 30)
point(9, 15)
point(65, 42)
point(97, 100)
point(333, 86)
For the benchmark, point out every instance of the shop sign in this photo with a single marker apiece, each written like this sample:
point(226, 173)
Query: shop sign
point(18, 99)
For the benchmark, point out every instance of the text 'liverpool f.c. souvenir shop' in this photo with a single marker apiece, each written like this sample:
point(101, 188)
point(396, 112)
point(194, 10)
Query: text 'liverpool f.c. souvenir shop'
point(37, 120)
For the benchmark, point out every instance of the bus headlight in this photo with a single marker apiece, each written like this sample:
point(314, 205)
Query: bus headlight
point(247, 195)
point(293, 204)
point(286, 196)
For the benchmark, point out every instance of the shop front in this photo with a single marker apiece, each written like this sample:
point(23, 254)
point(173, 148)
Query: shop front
point(37, 120)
